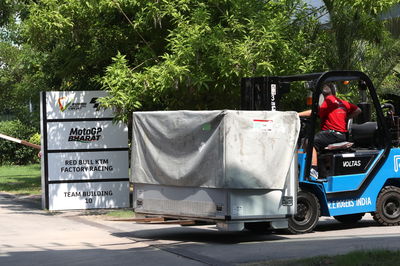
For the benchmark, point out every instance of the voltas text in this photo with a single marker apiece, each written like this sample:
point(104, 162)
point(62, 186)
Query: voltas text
point(352, 163)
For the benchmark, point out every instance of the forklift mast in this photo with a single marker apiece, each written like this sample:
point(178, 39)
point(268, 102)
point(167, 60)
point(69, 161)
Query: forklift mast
point(262, 93)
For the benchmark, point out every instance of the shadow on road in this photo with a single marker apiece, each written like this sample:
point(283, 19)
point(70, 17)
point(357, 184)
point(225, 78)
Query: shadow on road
point(206, 235)
point(333, 225)
point(95, 256)
point(23, 204)
point(211, 235)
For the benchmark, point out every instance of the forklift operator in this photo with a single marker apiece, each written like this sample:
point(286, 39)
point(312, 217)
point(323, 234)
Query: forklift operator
point(334, 114)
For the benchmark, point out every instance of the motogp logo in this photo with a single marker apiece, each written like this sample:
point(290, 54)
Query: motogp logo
point(85, 135)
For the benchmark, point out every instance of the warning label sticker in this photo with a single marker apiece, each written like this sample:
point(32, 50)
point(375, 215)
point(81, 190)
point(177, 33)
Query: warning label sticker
point(263, 125)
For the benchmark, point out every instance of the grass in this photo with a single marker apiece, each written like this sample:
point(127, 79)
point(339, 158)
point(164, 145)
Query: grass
point(121, 213)
point(356, 258)
point(20, 179)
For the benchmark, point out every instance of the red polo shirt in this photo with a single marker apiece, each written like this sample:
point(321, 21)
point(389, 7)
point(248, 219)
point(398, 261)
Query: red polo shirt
point(333, 113)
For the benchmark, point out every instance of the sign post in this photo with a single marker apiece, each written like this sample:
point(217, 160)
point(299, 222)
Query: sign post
point(84, 154)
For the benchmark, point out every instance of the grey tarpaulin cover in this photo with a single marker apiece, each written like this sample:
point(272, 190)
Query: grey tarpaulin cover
point(215, 149)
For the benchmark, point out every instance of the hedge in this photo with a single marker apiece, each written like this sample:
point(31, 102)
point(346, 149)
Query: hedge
point(12, 153)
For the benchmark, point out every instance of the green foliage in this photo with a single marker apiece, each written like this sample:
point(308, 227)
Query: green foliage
point(77, 39)
point(358, 40)
point(391, 83)
point(381, 65)
point(18, 82)
point(5, 11)
point(355, 258)
point(372, 6)
point(209, 48)
point(14, 153)
point(181, 54)
point(35, 139)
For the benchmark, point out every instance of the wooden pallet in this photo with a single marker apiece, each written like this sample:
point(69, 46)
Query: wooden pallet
point(156, 220)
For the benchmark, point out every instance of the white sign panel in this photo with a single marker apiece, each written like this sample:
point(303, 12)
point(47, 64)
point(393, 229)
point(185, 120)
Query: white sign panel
point(88, 165)
point(86, 135)
point(85, 155)
point(73, 196)
point(75, 104)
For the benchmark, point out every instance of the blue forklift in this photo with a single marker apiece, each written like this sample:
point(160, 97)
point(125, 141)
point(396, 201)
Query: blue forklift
point(361, 175)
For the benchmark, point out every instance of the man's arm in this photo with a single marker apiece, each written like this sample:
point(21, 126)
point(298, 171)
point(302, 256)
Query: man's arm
point(305, 113)
point(355, 113)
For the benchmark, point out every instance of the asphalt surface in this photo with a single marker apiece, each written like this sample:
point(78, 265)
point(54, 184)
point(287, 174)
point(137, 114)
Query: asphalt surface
point(31, 236)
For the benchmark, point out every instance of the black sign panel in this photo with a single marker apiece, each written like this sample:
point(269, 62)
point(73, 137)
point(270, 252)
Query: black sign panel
point(357, 164)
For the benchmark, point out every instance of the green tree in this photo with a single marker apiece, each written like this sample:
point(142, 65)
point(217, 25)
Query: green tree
point(6, 12)
point(19, 76)
point(77, 39)
point(183, 54)
point(356, 38)
point(167, 54)
point(210, 46)
point(16, 70)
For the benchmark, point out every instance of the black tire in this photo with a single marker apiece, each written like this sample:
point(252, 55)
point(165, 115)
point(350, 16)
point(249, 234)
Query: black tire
point(388, 206)
point(349, 218)
point(308, 212)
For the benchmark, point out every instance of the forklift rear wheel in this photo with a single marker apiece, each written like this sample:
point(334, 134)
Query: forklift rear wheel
point(388, 206)
point(308, 212)
point(349, 218)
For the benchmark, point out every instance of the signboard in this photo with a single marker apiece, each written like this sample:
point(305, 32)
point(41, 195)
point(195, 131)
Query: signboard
point(75, 104)
point(86, 135)
point(88, 195)
point(84, 153)
point(87, 165)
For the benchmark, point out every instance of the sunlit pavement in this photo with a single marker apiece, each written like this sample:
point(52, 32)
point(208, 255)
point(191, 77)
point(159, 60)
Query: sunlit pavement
point(31, 236)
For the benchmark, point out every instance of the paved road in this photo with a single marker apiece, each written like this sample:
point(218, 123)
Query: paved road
point(30, 236)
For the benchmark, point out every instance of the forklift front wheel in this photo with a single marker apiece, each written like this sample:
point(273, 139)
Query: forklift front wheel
point(388, 206)
point(308, 212)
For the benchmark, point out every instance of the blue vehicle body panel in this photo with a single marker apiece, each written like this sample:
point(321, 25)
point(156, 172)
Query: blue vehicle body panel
point(365, 200)
point(314, 187)
point(343, 183)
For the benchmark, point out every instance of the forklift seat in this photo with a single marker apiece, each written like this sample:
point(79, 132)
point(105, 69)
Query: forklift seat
point(364, 135)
